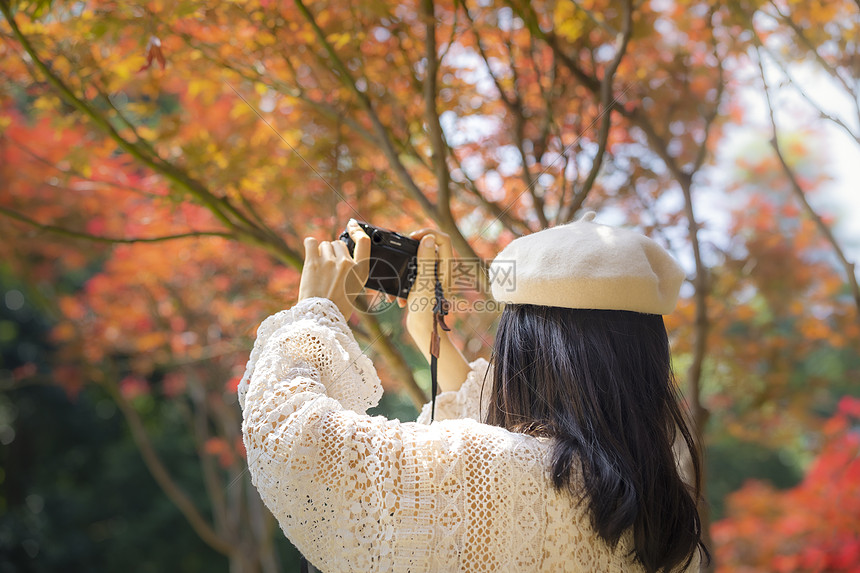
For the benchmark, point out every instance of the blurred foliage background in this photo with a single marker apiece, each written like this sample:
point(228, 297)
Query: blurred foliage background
point(160, 163)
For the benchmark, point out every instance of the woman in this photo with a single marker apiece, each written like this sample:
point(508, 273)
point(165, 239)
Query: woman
point(565, 465)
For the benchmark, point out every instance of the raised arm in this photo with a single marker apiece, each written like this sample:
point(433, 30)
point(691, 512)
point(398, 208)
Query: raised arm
point(452, 366)
point(361, 493)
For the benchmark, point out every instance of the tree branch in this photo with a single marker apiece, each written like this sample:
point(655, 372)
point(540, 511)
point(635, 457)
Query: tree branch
point(511, 223)
point(139, 140)
point(346, 78)
point(262, 526)
point(598, 21)
point(243, 229)
point(823, 114)
point(158, 470)
point(542, 142)
point(296, 92)
point(559, 214)
point(431, 115)
point(847, 265)
point(825, 65)
point(702, 326)
point(200, 427)
point(460, 242)
point(74, 172)
point(608, 103)
point(386, 348)
point(515, 107)
point(656, 142)
point(100, 239)
point(519, 113)
point(711, 116)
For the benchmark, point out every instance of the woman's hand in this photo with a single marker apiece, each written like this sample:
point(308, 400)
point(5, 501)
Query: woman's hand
point(330, 272)
point(452, 366)
point(419, 320)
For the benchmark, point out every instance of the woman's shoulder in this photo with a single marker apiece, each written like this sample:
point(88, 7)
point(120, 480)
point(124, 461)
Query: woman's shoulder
point(494, 439)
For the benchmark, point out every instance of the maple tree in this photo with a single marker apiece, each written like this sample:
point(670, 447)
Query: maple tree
point(173, 155)
point(811, 527)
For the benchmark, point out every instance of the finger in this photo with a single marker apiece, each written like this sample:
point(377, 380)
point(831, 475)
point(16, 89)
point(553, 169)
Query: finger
point(424, 231)
point(420, 232)
point(354, 229)
point(361, 240)
point(327, 251)
point(341, 251)
point(361, 252)
point(445, 251)
point(311, 250)
point(401, 302)
point(426, 261)
point(446, 257)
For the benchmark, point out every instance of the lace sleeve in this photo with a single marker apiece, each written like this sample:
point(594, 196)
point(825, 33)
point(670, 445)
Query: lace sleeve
point(470, 401)
point(361, 493)
point(314, 334)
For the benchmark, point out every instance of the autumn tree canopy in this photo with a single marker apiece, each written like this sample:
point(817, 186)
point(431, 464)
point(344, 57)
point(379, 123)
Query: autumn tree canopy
point(160, 163)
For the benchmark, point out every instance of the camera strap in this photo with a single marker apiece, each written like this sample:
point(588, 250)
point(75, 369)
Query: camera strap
point(440, 309)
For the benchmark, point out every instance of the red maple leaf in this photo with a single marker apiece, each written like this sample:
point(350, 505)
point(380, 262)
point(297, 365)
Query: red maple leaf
point(153, 52)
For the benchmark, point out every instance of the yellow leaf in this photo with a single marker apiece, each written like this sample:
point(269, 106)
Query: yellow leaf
point(146, 132)
point(570, 22)
point(194, 88)
point(46, 103)
point(339, 40)
point(220, 159)
point(265, 39)
point(31, 28)
point(238, 110)
point(128, 67)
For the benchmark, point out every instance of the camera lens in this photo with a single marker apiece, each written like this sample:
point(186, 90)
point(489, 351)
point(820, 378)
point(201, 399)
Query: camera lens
point(376, 237)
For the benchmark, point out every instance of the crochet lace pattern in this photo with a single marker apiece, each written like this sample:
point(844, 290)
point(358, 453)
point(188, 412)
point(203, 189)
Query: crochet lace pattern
point(360, 493)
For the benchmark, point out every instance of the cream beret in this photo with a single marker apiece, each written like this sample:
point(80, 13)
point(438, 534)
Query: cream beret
point(587, 265)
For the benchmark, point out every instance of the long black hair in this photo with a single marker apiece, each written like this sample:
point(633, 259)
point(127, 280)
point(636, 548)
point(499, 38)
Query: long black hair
point(600, 384)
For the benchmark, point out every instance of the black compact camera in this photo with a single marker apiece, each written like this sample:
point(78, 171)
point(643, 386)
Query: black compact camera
point(393, 260)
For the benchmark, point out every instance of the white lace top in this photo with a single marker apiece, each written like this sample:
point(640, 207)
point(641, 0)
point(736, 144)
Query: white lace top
point(361, 493)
